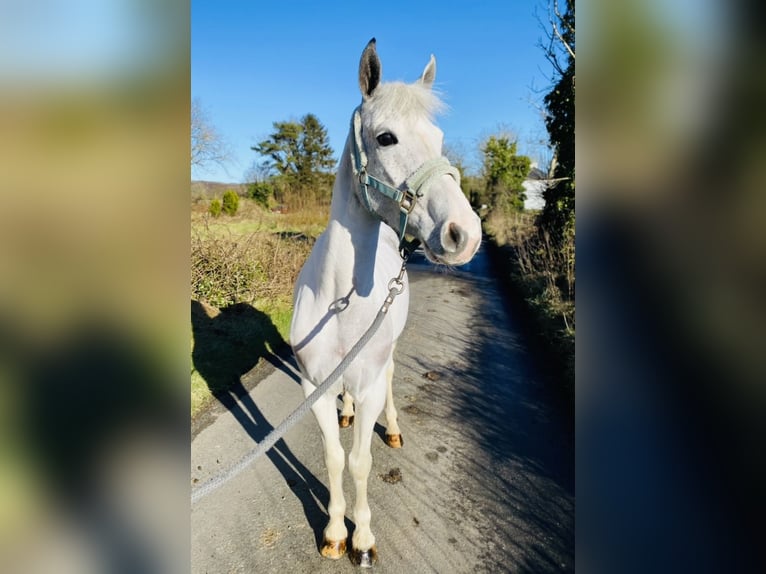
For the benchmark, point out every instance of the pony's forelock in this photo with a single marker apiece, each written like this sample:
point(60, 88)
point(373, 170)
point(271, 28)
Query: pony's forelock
point(400, 99)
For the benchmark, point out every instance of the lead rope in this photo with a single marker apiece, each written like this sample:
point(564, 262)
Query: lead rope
point(395, 288)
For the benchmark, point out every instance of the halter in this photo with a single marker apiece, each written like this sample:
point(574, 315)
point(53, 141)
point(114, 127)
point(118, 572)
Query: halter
point(415, 186)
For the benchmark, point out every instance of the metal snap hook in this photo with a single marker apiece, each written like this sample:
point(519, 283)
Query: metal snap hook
point(396, 286)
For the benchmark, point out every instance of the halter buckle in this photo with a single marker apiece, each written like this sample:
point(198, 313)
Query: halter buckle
point(407, 203)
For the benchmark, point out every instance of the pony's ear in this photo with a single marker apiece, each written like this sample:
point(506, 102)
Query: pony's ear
point(429, 74)
point(369, 70)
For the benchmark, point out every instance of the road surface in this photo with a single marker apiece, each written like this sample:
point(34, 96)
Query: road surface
point(484, 482)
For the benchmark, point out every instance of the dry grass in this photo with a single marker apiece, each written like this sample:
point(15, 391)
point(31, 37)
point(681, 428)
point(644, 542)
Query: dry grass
point(252, 217)
point(255, 255)
point(510, 229)
point(547, 271)
point(551, 271)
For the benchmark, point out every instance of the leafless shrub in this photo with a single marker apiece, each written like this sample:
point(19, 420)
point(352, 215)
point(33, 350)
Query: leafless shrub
point(227, 269)
point(545, 272)
point(549, 272)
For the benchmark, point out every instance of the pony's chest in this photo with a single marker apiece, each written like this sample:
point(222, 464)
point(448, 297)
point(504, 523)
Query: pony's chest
point(328, 326)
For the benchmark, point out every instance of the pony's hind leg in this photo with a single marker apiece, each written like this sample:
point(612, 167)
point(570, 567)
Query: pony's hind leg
point(346, 418)
point(393, 434)
point(335, 534)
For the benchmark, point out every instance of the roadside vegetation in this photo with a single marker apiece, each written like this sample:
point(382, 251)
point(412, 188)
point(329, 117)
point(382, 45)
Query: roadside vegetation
point(536, 250)
point(248, 244)
point(251, 258)
point(542, 275)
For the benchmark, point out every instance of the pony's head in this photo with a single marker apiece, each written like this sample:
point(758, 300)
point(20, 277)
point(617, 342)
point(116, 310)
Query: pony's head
point(402, 154)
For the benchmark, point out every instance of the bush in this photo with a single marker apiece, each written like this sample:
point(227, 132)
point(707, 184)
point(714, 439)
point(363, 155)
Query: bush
point(260, 192)
point(230, 268)
point(215, 207)
point(223, 273)
point(230, 202)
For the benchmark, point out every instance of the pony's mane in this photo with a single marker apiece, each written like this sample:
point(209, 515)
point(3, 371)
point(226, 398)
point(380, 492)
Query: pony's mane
point(400, 99)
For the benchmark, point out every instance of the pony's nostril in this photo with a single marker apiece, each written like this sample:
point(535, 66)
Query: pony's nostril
point(455, 238)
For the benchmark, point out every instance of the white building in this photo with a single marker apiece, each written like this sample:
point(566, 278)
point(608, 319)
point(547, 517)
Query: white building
point(533, 188)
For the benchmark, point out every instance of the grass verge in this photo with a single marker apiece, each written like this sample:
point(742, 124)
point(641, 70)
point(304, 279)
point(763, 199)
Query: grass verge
point(543, 277)
point(242, 276)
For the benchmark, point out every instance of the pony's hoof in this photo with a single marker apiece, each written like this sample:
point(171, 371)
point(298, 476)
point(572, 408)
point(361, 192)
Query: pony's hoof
point(364, 558)
point(333, 549)
point(345, 421)
point(394, 440)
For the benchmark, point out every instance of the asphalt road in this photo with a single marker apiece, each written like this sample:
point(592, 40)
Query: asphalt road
point(484, 482)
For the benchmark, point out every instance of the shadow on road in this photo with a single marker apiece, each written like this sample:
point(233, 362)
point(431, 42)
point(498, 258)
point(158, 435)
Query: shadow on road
point(520, 426)
point(522, 432)
point(226, 347)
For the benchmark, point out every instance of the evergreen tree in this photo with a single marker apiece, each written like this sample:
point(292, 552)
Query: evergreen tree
point(301, 155)
point(316, 153)
point(504, 173)
point(282, 148)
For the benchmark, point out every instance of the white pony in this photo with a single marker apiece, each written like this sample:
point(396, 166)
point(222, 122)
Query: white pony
point(392, 179)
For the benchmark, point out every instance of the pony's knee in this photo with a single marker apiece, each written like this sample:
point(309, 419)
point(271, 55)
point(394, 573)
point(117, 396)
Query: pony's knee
point(335, 457)
point(360, 464)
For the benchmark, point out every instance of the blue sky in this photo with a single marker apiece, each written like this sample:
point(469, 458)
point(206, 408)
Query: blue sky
point(254, 63)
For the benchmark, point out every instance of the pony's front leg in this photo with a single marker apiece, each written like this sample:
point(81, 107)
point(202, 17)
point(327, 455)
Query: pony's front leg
point(363, 551)
point(393, 434)
point(346, 418)
point(335, 534)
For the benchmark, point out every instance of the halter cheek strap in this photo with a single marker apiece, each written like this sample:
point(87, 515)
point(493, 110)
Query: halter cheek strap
point(415, 186)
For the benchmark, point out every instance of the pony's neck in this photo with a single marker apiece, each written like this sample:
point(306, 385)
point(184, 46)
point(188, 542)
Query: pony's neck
point(345, 207)
point(364, 228)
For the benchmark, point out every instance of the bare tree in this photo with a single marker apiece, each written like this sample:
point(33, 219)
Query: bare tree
point(560, 35)
point(207, 144)
point(258, 172)
point(456, 153)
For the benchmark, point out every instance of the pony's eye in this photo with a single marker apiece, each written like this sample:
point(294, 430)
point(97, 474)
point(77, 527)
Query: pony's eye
point(386, 139)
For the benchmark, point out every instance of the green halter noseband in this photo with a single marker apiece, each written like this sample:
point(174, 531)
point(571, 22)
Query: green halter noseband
point(415, 186)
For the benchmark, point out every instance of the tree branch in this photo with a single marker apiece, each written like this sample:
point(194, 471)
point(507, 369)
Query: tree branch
point(556, 30)
point(207, 144)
